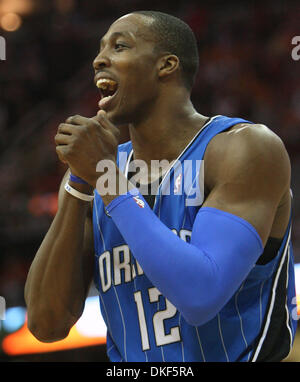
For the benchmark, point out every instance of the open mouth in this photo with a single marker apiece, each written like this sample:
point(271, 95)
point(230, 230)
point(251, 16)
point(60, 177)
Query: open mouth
point(108, 88)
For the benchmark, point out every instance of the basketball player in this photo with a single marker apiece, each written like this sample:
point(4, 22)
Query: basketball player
point(179, 279)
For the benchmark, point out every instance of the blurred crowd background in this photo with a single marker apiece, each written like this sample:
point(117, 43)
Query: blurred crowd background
point(246, 70)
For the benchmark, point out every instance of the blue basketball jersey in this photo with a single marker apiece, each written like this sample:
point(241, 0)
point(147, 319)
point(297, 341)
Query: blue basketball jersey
point(142, 325)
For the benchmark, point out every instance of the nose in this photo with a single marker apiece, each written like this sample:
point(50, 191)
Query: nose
point(101, 62)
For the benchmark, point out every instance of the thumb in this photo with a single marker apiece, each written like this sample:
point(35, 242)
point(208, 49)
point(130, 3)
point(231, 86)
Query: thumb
point(100, 113)
point(103, 120)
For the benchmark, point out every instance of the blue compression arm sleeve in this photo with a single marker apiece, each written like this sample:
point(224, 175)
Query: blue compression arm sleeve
point(197, 277)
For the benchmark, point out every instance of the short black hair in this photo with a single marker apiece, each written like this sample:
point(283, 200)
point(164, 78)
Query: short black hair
point(175, 36)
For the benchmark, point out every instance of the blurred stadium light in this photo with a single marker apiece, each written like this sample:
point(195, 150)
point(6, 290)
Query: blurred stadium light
point(89, 330)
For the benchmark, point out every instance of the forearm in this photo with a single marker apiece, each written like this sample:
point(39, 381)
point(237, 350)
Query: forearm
point(56, 285)
point(197, 277)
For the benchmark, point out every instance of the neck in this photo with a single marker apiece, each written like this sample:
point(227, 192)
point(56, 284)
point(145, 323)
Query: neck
point(167, 129)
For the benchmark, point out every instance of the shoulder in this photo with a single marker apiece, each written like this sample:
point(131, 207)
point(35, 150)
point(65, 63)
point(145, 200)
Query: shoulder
point(247, 151)
point(247, 139)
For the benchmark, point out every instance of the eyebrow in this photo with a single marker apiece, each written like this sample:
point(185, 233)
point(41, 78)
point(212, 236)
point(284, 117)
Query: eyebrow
point(114, 35)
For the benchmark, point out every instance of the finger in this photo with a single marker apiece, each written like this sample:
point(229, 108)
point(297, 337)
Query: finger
point(65, 128)
point(101, 117)
point(77, 120)
point(62, 139)
point(103, 129)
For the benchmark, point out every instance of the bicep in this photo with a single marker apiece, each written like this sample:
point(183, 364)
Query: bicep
point(251, 179)
point(259, 212)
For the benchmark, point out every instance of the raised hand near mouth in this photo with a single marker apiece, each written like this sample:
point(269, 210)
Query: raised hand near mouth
point(82, 142)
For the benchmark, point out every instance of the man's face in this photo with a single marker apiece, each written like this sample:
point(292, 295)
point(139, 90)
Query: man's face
point(126, 57)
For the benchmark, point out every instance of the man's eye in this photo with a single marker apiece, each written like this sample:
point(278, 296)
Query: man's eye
point(119, 46)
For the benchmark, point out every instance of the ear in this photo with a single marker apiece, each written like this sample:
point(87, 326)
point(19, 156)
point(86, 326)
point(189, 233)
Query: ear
point(167, 65)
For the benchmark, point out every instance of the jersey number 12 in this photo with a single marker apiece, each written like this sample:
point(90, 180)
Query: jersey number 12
point(161, 337)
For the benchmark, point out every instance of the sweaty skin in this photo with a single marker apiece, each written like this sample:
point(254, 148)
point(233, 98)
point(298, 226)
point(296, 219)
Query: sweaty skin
point(247, 173)
point(247, 169)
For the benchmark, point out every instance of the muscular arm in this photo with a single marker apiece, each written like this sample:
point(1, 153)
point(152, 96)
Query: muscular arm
point(249, 177)
point(60, 275)
point(247, 172)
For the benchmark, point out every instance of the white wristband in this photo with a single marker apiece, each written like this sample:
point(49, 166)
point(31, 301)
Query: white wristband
point(77, 194)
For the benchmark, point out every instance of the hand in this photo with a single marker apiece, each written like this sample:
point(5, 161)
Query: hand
point(82, 142)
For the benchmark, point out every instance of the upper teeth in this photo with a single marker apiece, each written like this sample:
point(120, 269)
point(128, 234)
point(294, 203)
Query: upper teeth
point(105, 83)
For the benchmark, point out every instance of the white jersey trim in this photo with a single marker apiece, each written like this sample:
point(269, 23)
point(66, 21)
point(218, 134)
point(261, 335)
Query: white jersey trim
point(268, 320)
